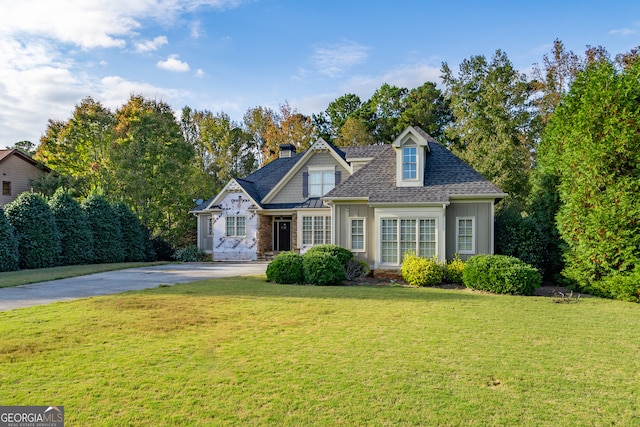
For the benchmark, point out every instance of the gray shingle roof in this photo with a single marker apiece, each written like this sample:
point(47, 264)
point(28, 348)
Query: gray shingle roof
point(445, 176)
point(360, 152)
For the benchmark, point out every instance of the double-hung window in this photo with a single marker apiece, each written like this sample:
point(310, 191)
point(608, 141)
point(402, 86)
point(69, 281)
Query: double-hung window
point(357, 234)
point(465, 235)
point(321, 182)
point(210, 226)
point(236, 226)
point(6, 188)
point(316, 230)
point(409, 163)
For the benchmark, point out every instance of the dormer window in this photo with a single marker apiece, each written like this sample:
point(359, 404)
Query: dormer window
point(411, 149)
point(409, 163)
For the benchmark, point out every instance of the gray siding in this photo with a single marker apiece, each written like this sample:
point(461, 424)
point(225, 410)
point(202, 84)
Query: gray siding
point(205, 240)
point(481, 211)
point(342, 228)
point(292, 190)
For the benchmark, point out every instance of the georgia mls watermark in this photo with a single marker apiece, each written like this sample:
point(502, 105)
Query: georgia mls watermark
point(31, 416)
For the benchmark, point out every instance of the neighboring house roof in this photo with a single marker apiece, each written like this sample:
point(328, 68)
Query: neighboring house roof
point(446, 176)
point(5, 154)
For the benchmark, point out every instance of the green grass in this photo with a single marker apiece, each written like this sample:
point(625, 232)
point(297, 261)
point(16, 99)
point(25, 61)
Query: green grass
point(245, 352)
point(25, 277)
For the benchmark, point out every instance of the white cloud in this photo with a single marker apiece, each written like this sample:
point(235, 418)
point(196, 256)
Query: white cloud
point(624, 31)
point(200, 73)
point(151, 45)
point(173, 64)
point(333, 60)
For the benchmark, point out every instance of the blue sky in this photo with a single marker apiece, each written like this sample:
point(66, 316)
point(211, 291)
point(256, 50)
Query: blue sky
point(231, 55)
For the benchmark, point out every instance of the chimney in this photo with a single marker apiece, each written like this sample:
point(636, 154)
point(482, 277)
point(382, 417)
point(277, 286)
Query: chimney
point(287, 150)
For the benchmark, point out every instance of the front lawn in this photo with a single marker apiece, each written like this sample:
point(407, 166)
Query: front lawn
point(245, 352)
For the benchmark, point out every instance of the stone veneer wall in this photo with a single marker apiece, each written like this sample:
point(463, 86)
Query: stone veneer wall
point(265, 235)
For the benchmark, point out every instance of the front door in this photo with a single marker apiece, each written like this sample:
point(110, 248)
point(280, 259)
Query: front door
point(282, 235)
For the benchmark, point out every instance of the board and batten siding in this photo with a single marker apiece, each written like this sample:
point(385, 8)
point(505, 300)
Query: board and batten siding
point(292, 191)
point(342, 227)
point(482, 212)
point(205, 240)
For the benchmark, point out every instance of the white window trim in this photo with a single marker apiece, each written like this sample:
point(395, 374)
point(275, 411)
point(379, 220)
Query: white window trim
point(416, 154)
point(321, 170)
point(399, 220)
point(235, 226)
point(473, 235)
point(327, 239)
point(364, 234)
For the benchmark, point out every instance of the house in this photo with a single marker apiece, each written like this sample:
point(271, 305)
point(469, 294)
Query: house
point(378, 201)
point(17, 170)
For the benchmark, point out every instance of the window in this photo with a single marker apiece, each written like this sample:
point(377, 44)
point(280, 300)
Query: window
point(316, 230)
point(409, 163)
point(6, 188)
point(357, 234)
point(236, 226)
point(417, 235)
point(389, 240)
point(321, 182)
point(465, 239)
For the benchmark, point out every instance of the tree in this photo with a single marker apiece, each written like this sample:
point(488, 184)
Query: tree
point(554, 78)
point(76, 238)
point(156, 167)
point(427, 108)
point(383, 111)
point(26, 147)
point(36, 231)
point(8, 245)
point(492, 126)
point(593, 146)
point(133, 235)
point(80, 147)
point(339, 110)
point(354, 132)
point(105, 227)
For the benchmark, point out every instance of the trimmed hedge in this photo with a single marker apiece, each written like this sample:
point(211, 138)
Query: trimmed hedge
point(105, 225)
point(286, 268)
point(76, 238)
point(133, 236)
point(323, 269)
point(8, 245)
point(501, 274)
point(36, 231)
point(343, 255)
point(418, 271)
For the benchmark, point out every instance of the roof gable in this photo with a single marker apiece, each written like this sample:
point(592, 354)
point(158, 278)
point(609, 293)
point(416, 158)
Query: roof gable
point(319, 146)
point(6, 154)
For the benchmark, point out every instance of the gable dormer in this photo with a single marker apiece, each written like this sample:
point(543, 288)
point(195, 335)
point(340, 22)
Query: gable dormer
point(411, 148)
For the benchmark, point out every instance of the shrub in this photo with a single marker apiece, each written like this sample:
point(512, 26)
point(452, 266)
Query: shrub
point(190, 253)
point(161, 249)
point(521, 237)
point(343, 255)
point(105, 225)
point(453, 270)
point(36, 231)
point(133, 236)
point(76, 238)
point(286, 268)
point(622, 286)
point(501, 274)
point(8, 245)
point(356, 269)
point(419, 271)
point(322, 269)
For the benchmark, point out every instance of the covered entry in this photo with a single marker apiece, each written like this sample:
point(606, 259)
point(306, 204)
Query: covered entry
point(282, 233)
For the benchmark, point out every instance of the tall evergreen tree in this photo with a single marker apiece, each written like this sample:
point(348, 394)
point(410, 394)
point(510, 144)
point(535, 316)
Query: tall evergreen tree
point(8, 245)
point(133, 235)
point(104, 222)
point(36, 230)
point(76, 238)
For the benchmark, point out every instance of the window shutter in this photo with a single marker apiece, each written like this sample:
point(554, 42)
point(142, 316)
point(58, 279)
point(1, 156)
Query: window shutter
point(305, 184)
point(338, 176)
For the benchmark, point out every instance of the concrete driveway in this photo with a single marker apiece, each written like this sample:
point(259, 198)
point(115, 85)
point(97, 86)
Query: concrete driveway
point(113, 282)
